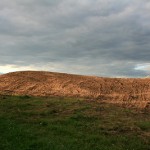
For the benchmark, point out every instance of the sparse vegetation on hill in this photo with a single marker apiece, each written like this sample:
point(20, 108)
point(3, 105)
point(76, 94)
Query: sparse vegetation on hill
point(127, 92)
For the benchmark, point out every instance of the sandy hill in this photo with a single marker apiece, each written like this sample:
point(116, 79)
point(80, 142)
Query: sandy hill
point(129, 92)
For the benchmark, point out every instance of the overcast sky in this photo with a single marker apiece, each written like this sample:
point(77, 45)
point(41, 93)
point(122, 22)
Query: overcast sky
point(91, 37)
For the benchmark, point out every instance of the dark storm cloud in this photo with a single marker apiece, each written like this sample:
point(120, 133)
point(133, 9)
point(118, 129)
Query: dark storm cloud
point(108, 38)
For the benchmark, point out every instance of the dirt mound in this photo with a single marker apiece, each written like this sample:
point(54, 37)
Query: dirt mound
point(127, 92)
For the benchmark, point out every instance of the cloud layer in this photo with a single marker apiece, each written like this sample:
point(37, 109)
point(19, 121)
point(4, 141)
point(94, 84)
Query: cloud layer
point(104, 38)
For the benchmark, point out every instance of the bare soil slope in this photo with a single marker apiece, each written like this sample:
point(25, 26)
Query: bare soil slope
point(127, 92)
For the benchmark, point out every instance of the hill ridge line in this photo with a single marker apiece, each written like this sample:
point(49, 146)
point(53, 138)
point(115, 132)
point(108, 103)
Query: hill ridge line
point(124, 91)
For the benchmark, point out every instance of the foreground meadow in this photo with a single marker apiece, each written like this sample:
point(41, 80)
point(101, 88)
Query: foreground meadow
point(52, 123)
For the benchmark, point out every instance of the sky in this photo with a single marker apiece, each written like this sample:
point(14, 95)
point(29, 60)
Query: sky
point(90, 37)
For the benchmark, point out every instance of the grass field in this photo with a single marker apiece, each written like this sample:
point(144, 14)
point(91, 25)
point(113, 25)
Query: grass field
point(29, 123)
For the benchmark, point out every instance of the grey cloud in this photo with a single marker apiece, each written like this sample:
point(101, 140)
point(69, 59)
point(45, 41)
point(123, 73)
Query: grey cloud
point(107, 38)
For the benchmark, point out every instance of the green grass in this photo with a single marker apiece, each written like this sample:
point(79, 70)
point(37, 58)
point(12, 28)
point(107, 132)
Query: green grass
point(34, 123)
point(144, 125)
